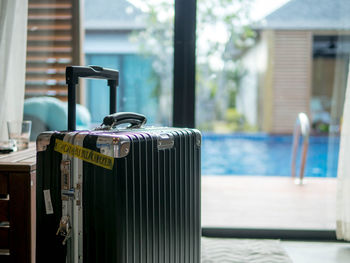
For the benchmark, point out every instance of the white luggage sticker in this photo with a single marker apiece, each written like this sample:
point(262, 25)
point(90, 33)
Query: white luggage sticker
point(48, 203)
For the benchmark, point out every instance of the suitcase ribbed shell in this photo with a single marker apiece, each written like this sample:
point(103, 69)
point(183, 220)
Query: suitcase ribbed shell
point(147, 209)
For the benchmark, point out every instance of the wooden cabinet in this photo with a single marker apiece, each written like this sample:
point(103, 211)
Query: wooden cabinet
point(17, 206)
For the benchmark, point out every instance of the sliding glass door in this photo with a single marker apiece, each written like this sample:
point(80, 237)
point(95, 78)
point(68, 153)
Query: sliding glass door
point(134, 37)
point(260, 64)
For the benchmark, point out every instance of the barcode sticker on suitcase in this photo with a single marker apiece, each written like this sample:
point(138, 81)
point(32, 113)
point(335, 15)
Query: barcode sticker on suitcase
point(48, 203)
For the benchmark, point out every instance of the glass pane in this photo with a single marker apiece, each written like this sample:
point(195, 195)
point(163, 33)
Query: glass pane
point(98, 92)
point(268, 62)
point(128, 42)
point(140, 93)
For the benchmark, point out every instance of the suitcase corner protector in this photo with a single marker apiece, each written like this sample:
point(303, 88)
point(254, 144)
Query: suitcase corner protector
point(43, 140)
point(198, 137)
point(114, 146)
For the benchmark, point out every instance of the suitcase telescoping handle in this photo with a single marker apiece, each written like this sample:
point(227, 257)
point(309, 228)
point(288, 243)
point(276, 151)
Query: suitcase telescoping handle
point(136, 120)
point(73, 73)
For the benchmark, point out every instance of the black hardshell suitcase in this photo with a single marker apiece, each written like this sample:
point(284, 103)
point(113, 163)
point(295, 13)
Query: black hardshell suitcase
point(117, 194)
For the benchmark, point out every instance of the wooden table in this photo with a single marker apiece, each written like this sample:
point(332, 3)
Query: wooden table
point(17, 206)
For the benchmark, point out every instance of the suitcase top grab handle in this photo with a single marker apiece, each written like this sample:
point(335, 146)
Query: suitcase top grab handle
point(73, 73)
point(136, 120)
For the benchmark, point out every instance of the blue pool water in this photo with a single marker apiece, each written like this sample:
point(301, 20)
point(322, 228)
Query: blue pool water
point(261, 154)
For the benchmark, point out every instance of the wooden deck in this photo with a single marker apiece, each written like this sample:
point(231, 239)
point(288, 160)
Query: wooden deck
point(268, 202)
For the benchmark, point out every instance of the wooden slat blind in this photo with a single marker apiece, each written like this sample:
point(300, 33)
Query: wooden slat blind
point(49, 47)
point(291, 79)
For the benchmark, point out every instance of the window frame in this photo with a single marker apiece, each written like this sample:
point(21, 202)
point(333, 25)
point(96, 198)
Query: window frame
point(184, 101)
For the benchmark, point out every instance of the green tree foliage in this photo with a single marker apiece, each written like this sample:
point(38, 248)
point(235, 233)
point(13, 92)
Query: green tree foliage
point(222, 36)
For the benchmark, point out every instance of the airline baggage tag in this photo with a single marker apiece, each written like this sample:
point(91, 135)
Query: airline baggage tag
point(48, 203)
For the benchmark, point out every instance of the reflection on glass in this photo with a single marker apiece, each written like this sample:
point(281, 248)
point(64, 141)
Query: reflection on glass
point(135, 38)
point(261, 63)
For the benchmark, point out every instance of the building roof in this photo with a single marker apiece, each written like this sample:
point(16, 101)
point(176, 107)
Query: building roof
point(112, 15)
point(309, 15)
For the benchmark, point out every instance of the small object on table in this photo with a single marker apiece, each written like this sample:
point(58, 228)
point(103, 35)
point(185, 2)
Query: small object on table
point(20, 132)
point(5, 150)
point(8, 146)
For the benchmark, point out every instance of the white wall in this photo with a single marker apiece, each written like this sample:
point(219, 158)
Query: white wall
point(254, 62)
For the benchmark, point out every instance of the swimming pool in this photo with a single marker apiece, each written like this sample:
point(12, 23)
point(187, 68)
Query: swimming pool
point(270, 155)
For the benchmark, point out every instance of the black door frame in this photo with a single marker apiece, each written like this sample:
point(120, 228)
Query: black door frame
point(184, 64)
point(184, 101)
point(283, 234)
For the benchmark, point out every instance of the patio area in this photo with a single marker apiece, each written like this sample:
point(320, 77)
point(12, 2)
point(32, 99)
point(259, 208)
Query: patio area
point(268, 202)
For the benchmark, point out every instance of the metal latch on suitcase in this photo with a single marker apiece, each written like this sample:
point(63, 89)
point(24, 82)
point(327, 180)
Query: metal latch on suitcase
point(66, 190)
point(165, 141)
point(65, 175)
point(64, 229)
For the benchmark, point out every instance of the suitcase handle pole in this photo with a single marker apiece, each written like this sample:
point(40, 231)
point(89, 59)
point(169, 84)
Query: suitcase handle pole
point(73, 73)
point(136, 120)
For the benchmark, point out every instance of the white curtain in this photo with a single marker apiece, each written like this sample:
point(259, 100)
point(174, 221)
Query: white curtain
point(13, 42)
point(343, 181)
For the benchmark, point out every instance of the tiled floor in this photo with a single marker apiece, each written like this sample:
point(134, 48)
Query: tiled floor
point(317, 252)
point(268, 202)
point(235, 250)
point(216, 250)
